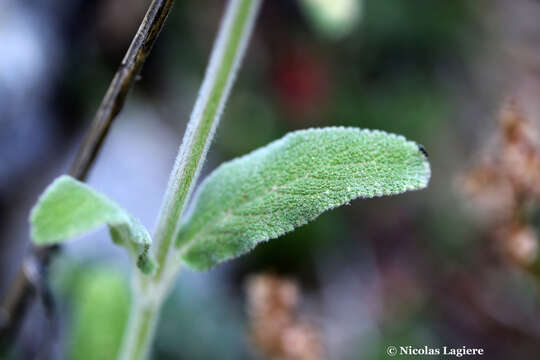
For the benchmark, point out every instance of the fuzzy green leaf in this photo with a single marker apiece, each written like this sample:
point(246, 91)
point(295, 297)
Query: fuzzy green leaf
point(291, 181)
point(69, 208)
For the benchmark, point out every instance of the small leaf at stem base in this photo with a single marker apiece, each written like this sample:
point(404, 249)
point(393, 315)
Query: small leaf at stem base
point(69, 208)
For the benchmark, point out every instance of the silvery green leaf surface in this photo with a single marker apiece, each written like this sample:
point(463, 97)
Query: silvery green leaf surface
point(291, 181)
point(69, 208)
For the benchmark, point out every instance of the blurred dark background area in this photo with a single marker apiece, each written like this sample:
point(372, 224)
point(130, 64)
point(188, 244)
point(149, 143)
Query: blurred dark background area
point(428, 268)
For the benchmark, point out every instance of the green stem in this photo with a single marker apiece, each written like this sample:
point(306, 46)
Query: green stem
point(140, 329)
point(228, 51)
point(149, 292)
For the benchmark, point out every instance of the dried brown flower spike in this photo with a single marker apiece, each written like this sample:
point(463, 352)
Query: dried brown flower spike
point(518, 243)
point(275, 327)
point(505, 184)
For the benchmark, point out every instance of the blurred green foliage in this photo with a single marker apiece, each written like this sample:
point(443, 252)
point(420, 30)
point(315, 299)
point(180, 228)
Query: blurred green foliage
point(98, 297)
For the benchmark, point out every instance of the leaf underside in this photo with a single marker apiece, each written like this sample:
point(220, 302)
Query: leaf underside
point(68, 208)
point(291, 181)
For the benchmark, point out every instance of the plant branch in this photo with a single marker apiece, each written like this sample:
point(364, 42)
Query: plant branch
point(122, 82)
point(24, 288)
point(149, 293)
point(229, 48)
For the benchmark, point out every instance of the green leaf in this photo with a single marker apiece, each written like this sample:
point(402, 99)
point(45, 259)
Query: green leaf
point(69, 208)
point(291, 181)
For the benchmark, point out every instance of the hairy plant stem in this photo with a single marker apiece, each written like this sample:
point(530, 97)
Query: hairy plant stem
point(142, 323)
point(143, 318)
point(149, 292)
point(228, 51)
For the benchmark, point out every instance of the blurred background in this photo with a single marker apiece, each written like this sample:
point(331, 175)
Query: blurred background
point(452, 265)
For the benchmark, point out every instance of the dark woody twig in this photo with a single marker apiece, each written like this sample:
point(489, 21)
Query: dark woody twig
point(123, 81)
point(26, 285)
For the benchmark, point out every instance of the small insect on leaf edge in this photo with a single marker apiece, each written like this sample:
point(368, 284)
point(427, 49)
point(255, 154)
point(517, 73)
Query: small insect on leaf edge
point(423, 150)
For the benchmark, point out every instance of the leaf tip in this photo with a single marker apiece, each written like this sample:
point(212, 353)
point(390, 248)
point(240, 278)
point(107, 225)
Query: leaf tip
point(145, 262)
